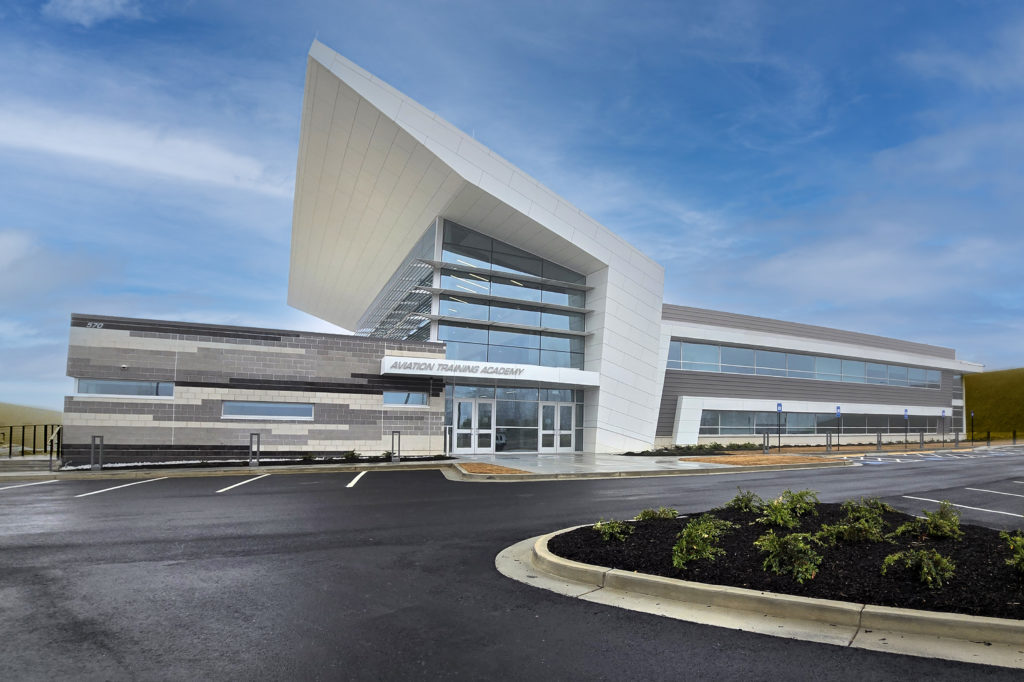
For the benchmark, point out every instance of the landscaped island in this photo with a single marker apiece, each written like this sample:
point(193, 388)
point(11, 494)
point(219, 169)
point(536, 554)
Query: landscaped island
point(861, 551)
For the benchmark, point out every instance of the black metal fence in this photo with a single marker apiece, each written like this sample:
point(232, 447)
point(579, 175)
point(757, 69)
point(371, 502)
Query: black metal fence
point(32, 439)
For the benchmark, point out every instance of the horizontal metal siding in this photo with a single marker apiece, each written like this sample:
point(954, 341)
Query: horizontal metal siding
point(719, 385)
point(717, 318)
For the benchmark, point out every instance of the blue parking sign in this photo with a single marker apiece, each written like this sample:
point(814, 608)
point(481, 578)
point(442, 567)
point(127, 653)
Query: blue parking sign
point(778, 407)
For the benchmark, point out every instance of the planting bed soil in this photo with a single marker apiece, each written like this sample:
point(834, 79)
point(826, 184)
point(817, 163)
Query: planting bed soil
point(982, 585)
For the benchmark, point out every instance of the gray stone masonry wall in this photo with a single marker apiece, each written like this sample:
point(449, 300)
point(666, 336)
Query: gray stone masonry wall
point(338, 374)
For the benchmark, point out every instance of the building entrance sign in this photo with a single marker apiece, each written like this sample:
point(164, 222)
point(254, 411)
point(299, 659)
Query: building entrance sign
point(433, 367)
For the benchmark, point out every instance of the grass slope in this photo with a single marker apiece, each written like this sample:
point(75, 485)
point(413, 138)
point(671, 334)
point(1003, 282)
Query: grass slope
point(997, 399)
point(16, 415)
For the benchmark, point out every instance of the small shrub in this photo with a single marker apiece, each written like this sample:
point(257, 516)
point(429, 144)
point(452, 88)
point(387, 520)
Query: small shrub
point(659, 513)
point(944, 523)
point(793, 554)
point(745, 501)
point(932, 567)
point(801, 502)
point(1016, 543)
point(699, 540)
point(613, 529)
point(777, 513)
point(863, 522)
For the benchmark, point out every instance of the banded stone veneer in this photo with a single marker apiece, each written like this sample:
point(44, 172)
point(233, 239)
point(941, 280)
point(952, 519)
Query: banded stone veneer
point(208, 364)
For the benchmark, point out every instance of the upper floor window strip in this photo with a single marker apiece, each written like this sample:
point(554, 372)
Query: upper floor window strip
point(703, 357)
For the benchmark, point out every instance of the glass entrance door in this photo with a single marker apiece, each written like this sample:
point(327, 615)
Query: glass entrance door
point(556, 432)
point(474, 426)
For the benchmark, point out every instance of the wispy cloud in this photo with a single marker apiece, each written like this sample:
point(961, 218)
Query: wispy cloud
point(135, 146)
point(1000, 67)
point(88, 13)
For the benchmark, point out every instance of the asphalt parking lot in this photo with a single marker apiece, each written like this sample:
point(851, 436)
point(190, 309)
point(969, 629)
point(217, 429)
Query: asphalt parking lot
point(391, 576)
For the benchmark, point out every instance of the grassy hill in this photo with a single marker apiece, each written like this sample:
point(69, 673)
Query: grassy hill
point(16, 415)
point(997, 399)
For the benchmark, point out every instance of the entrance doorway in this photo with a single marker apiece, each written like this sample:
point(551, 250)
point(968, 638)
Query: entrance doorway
point(474, 426)
point(556, 427)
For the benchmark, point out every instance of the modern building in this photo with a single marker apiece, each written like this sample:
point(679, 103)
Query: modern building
point(547, 331)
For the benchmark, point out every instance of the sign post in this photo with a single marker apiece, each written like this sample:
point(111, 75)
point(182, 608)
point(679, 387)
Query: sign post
point(972, 428)
point(839, 425)
point(778, 410)
point(906, 429)
point(943, 427)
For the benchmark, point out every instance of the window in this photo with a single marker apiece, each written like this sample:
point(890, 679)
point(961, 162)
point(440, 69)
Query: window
point(800, 366)
point(771, 363)
point(737, 360)
point(252, 410)
point(700, 357)
point(161, 389)
point(405, 398)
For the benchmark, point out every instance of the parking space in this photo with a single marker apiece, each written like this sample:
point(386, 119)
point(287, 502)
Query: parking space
point(997, 504)
point(85, 491)
point(911, 456)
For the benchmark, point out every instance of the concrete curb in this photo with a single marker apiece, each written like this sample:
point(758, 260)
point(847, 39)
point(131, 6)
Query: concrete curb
point(951, 636)
point(464, 475)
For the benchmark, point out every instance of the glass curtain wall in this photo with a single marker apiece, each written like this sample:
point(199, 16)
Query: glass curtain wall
point(508, 294)
point(702, 357)
point(737, 423)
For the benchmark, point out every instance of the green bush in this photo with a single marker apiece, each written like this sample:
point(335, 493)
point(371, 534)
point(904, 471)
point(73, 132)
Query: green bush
point(1016, 543)
point(659, 513)
point(699, 540)
point(613, 529)
point(862, 522)
point(793, 554)
point(802, 502)
point(777, 513)
point(931, 566)
point(745, 501)
point(944, 523)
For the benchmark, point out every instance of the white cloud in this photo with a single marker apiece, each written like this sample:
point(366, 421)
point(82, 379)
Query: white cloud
point(178, 154)
point(90, 12)
point(1001, 67)
point(14, 246)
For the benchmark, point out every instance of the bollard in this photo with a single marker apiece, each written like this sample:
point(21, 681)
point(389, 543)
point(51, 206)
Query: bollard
point(828, 442)
point(10, 443)
point(920, 445)
point(766, 445)
point(94, 445)
point(988, 438)
point(23, 440)
point(956, 439)
point(878, 443)
point(254, 449)
point(1015, 436)
point(396, 453)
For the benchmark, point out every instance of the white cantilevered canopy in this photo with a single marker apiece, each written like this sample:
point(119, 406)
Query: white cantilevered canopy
point(375, 168)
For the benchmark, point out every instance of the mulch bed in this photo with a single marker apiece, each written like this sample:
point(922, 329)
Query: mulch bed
point(485, 468)
point(983, 584)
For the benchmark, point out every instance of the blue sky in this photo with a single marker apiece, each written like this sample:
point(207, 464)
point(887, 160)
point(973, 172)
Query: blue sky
point(851, 164)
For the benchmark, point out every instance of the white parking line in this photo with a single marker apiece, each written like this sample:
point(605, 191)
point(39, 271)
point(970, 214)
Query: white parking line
point(964, 506)
point(352, 483)
point(997, 492)
point(105, 490)
point(22, 485)
point(248, 480)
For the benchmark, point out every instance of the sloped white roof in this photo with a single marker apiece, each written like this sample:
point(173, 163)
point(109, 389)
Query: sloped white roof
point(374, 169)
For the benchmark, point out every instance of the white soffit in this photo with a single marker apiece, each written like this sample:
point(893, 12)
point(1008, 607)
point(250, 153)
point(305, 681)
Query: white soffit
point(375, 167)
